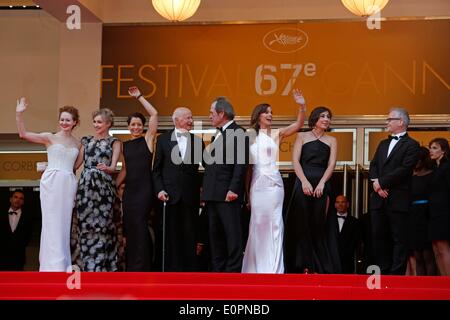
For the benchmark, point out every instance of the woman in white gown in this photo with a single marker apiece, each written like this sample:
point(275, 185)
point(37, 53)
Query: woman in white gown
point(58, 186)
point(264, 250)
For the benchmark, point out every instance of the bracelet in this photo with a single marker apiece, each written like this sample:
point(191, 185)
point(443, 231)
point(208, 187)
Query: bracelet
point(141, 95)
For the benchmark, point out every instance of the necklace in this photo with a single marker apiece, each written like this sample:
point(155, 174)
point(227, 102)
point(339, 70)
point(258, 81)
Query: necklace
point(318, 136)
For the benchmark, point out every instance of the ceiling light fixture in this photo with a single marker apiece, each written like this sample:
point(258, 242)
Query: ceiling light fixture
point(176, 10)
point(364, 8)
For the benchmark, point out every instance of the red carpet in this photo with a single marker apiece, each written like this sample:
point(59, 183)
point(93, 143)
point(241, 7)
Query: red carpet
point(218, 286)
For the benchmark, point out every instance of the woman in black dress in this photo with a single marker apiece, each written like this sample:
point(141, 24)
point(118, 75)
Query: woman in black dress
point(314, 159)
point(439, 227)
point(420, 256)
point(138, 194)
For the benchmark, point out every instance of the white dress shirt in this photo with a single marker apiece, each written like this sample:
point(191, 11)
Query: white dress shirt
point(182, 141)
point(226, 125)
point(340, 220)
point(14, 218)
point(395, 141)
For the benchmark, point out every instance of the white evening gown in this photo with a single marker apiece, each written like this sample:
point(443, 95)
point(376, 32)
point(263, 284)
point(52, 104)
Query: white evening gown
point(264, 251)
point(58, 187)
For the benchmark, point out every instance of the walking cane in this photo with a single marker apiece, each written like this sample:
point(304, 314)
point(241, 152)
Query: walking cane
point(164, 237)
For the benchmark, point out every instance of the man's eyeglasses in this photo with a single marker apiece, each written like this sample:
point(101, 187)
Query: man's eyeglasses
point(392, 119)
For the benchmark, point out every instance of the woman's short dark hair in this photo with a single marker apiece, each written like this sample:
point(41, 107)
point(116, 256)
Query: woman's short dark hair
point(315, 115)
point(257, 111)
point(443, 143)
point(136, 115)
point(424, 160)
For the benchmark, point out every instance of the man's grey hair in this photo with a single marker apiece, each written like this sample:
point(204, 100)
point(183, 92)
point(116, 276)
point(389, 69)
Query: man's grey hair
point(402, 114)
point(178, 112)
point(223, 105)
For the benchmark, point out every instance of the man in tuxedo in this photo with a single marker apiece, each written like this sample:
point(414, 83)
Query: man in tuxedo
point(348, 232)
point(223, 187)
point(15, 234)
point(390, 172)
point(177, 182)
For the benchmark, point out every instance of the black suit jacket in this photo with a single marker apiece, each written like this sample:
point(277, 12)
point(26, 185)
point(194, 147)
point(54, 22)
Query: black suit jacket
point(228, 173)
point(349, 241)
point(178, 177)
point(13, 244)
point(394, 173)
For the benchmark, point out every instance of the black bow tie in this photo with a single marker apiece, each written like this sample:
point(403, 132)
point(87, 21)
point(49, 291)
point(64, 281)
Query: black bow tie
point(342, 217)
point(395, 137)
point(12, 212)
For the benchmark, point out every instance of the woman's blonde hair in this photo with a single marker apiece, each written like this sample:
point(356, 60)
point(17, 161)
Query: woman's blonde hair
point(106, 115)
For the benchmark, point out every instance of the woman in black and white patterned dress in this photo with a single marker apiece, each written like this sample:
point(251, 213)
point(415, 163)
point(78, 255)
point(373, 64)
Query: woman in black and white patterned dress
point(97, 243)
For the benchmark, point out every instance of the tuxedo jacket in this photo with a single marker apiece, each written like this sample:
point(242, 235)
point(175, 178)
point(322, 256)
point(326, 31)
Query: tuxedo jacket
point(228, 171)
point(178, 177)
point(13, 244)
point(394, 173)
point(348, 239)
